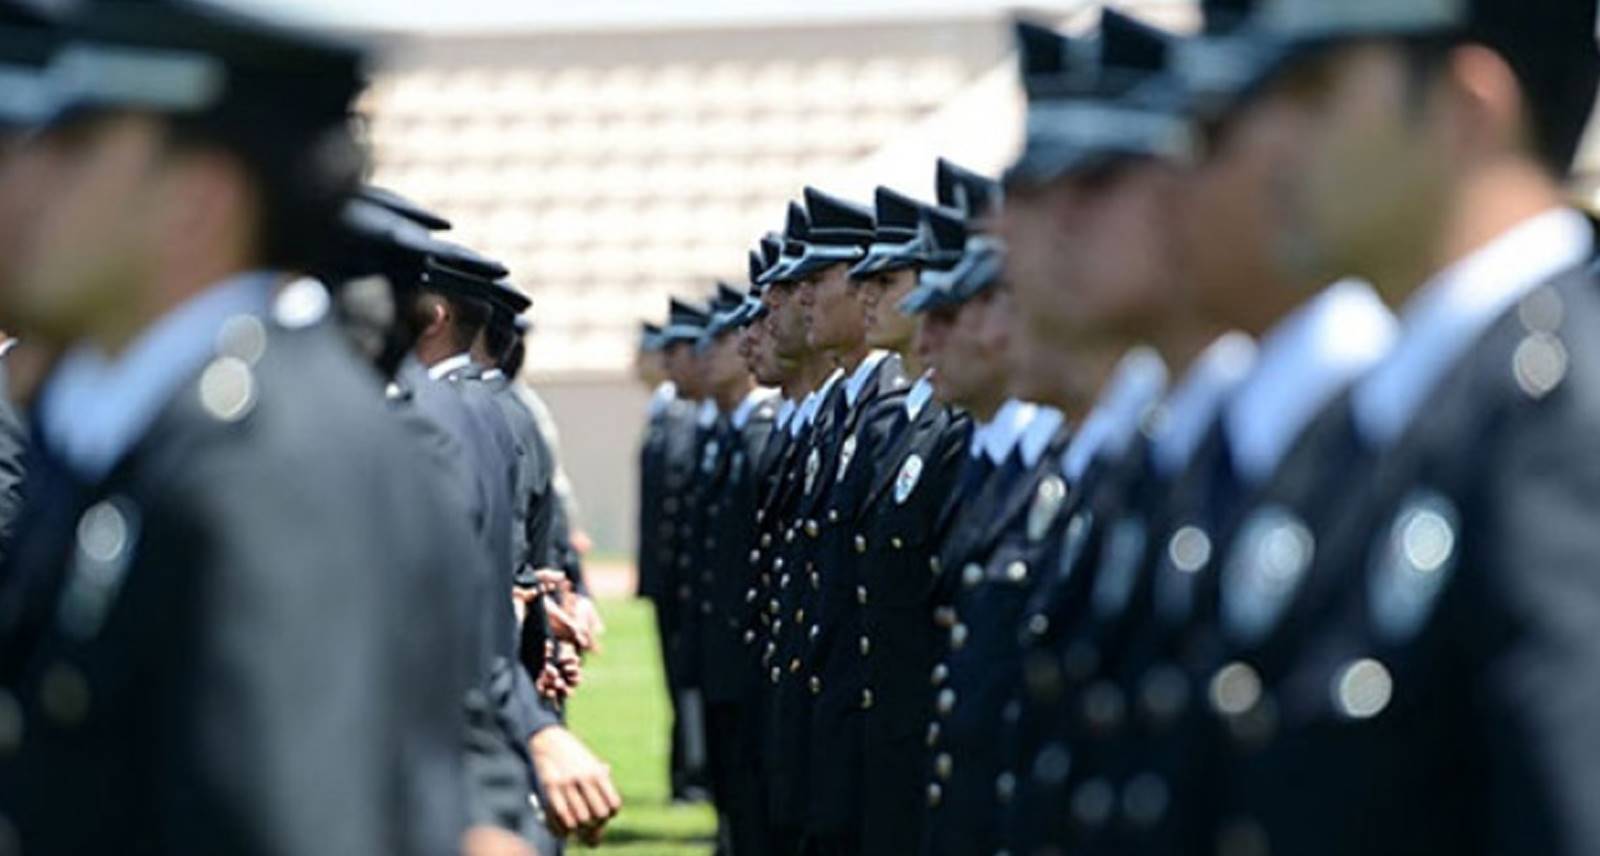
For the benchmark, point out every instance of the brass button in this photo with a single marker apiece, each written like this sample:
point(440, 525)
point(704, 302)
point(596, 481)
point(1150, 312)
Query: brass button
point(1017, 572)
point(766, 540)
point(861, 544)
point(750, 595)
point(749, 637)
point(935, 794)
point(958, 636)
point(794, 666)
point(755, 557)
point(866, 646)
point(833, 515)
point(776, 673)
point(972, 574)
point(813, 632)
point(941, 673)
point(943, 766)
point(933, 734)
point(866, 699)
point(813, 529)
point(800, 616)
point(816, 685)
point(897, 543)
point(861, 595)
point(947, 701)
point(935, 565)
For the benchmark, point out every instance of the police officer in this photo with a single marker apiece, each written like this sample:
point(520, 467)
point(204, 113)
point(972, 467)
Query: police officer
point(169, 534)
point(1436, 607)
point(892, 538)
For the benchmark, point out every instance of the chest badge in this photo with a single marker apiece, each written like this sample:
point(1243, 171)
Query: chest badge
point(106, 535)
point(1047, 502)
point(1264, 572)
point(813, 467)
point(906, 481)
point(1410, 565)
point(847, 453)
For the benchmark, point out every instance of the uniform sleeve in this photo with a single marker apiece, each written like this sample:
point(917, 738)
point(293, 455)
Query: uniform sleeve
point(1538, 616)
point(300, 722)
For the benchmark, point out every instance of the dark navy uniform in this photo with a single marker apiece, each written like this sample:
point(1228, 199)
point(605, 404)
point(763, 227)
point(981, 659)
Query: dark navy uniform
point(894, 542)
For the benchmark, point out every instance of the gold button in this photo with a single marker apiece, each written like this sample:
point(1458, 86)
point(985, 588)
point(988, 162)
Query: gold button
point(755, 557)
point(813, 529)
point(776, 673)
point(861, 595)
point(866, 646)
point(944, 765)
point(935, 794)
point(947, 701)
point(800, 616)
point(813, 632)
point(958, 636)
point(933, 734)
point(816, 685)
point(794, 666)
point(897, 543)
point(866, 699)
point(1017, 572)
point(833, 515)
point(861, 544)
point(941, 673)
point(971, 575)
point(935, 565)
point(766, 540)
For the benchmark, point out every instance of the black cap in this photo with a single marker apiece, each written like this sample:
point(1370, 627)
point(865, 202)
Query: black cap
point(29, 36)
point(941, 244)
point(201, 60)
point(1242, 52)
point(726, 298)
point(795, 230)
point(979, 270)
point(404, 207)
point(840, 232)
point(1089, 103)
point(685, 322)
point(374, 239)
point(975, 195)
point(894, 240)
point(505, 296)
point(758, 266)
point(446, 276)
point(650, 338)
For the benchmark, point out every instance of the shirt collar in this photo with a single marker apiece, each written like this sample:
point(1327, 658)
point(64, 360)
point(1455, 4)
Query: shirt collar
point(438, 370)
point(1319, 349)
point(755, 398)
point(662, 398)
point(814, 400)
point(1040, 431)
point(706, 416)
point(919, 396)
point(1443, 319)
point(786, 409)
point(492, 375)
point(1191, 408)
point(1135, 386)
point(1009, 422)
point(93, 409)
point(863, 373)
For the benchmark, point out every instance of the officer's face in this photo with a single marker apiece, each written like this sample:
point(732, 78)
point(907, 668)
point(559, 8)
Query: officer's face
point(1232, 217)
point(886, 326)
point(100, 234)
point(786, 323)
point(722, 364)
point(1380, 151)
point(27, 173)
point(834, 318)
point(933, 328)
point(972, 357)
point(1096, 262)
point(763, 359)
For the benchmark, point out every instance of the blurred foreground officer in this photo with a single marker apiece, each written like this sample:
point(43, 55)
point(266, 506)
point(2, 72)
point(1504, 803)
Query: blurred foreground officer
point(1436, 637)
point(210, 636)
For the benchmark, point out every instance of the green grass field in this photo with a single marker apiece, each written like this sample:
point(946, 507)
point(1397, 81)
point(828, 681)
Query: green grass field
point(621, 712)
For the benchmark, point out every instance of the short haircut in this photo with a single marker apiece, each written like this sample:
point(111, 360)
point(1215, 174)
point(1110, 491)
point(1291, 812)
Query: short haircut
point(1550, 45)
point(467, 316)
